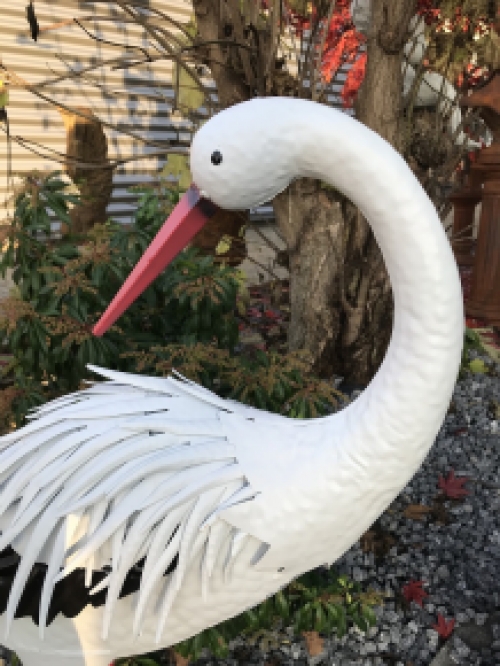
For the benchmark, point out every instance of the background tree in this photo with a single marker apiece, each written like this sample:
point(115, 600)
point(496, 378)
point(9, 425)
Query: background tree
point(341, 302)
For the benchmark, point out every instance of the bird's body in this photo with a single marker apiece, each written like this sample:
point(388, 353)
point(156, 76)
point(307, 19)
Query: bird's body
point(233, 502)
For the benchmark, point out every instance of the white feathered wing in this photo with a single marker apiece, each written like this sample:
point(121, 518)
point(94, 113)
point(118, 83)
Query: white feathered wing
point(128, 469)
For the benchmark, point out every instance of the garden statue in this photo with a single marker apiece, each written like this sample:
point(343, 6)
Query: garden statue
point(142, 510)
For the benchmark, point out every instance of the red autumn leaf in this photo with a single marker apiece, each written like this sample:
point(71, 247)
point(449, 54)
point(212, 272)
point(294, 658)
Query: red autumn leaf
point(354, 80)
point(413, 592)
point(270, 314)
point(332, 60)
point(443, 627)
point(452, 486)
point(341, 42)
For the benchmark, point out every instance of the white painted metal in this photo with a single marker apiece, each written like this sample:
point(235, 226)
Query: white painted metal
point(304, 490)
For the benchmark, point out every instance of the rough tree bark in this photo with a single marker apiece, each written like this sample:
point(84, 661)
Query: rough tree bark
point(379, 106)
point(87, 142)
point(214, 19)
point(341, 309)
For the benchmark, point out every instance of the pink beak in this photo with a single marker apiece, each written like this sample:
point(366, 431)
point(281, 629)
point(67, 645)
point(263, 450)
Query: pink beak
point(189, 216)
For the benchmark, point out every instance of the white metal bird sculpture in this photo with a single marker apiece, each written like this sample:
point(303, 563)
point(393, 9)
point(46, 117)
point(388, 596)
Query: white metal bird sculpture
point(143, 510)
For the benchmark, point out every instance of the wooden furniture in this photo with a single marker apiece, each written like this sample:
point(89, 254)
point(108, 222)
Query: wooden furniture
point(464, 202)
point(484, 300)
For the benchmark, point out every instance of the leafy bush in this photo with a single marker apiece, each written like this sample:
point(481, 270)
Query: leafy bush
point(66, 285)
point(185, 319)
point(267, 380)
point(472, 341)
point(318, 601)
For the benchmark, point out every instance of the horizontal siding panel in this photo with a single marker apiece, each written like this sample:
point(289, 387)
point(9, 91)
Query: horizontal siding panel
point(143, 101)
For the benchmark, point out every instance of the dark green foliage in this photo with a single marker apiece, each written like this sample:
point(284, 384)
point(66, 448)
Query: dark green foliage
point(148, 660)
point(319, 601)
point(65, 286)
point(267, 380)
point(185, 320)
point(472, 341)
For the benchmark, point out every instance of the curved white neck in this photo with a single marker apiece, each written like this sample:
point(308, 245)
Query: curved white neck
point(396, 419)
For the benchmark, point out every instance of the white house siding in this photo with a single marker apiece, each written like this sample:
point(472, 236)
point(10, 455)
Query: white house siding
point(144, 103)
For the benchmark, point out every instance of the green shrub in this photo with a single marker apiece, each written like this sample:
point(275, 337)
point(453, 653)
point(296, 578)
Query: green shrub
point(275, 382)
point(472, 341)
point(318, 601)
point(66, 285)
point(185, 319)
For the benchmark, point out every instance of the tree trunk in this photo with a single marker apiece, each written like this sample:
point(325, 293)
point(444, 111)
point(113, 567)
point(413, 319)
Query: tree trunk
point(341, 301)
point(211, 18)
point(312, 224)
point(87, 142)
point(225, 223)
point(379, 103)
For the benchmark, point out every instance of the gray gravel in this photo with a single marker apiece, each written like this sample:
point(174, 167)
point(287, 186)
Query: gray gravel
point(459, 563)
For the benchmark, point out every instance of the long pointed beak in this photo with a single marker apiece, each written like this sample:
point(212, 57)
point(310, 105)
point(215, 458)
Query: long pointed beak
point(189, 216)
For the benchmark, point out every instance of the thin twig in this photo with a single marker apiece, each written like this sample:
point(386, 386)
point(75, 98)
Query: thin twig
point(273, 44)
point(33, 89)
point(153, 30)
point(62, 77)
point(109, 42)
point(67, 159)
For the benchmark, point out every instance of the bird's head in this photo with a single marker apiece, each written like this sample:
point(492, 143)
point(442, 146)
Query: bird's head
point(242, 157)
point(239, 159)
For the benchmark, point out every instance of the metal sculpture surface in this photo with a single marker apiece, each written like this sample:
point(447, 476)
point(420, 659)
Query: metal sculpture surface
point(140, 511)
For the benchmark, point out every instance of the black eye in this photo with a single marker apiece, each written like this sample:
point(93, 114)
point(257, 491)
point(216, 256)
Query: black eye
point(216, 157)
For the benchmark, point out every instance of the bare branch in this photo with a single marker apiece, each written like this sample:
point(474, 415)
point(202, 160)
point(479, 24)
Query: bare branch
point(153, 30)
point(33, 89)
point(110, 43)
point(274, 12)
point(63, 158)
point(84, 70)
